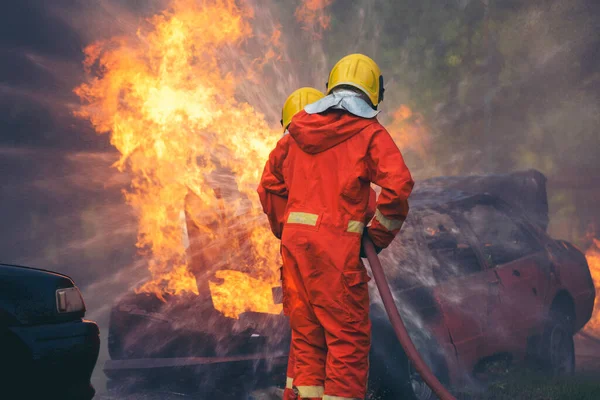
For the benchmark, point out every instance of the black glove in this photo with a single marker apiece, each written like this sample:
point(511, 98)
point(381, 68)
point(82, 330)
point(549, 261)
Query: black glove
point(362, 250)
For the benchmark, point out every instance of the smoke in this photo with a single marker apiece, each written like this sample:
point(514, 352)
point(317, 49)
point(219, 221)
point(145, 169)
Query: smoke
point(517, 88)
point(68, 216)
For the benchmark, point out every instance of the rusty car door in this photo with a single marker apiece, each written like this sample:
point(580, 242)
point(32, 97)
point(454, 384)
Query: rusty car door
point(517, 258)
point(462, 289)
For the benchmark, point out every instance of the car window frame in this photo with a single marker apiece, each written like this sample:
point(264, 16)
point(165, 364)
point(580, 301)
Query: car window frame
point(503, 208)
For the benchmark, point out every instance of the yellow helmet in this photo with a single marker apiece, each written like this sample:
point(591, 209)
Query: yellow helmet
point(361, 72)
point(296, 103)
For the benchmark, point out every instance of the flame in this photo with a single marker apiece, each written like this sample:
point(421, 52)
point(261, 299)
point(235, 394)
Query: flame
point(167, 97)
point(409, 130)
point(239, 285)
point(312, 15)
point(593, 258)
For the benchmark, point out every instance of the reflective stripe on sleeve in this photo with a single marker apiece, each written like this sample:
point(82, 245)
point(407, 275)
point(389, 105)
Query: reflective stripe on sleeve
point(310, 391)
point(328, 397)
point(302, 218)
point(389, 224)
point(289, 383)
point(355, 227)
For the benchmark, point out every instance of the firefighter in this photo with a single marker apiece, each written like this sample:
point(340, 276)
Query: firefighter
point(293, 105)
point(323, 168)
point(276, 204)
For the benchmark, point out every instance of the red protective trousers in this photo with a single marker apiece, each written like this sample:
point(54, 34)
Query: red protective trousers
point(315, 190)
point(289, 393)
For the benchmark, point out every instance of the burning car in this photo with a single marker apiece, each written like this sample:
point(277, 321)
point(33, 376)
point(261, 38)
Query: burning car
point(477, 278)
point(48, 349)
point(474, 274)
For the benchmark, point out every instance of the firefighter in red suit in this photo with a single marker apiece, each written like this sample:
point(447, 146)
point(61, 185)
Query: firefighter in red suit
point(317, 183)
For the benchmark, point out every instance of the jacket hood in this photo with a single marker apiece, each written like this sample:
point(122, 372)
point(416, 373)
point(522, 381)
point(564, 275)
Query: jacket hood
point(315, 133)
point(343, 99)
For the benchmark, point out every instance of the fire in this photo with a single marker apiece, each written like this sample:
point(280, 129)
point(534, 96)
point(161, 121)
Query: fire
point(239, 285)
point(593, 258)
point(311, 14)
point(167, 98)
point(409, 130)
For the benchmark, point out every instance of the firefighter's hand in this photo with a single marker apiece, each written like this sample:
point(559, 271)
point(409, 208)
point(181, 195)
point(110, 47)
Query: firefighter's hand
point(362, 250)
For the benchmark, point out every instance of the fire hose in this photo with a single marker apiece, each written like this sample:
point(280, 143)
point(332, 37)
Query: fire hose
point(398, 325)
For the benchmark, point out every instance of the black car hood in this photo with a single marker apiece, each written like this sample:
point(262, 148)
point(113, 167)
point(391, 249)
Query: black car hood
point(28, 296)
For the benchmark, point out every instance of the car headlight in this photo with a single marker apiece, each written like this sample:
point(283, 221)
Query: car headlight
point(69, 300)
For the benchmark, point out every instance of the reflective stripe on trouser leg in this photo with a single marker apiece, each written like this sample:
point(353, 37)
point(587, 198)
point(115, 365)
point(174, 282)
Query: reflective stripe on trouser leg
point(310, 392)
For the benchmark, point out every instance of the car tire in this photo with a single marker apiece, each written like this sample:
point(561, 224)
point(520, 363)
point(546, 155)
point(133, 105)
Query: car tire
point(557, 349)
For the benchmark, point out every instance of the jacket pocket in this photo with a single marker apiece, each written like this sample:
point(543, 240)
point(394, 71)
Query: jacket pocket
point(356, 294)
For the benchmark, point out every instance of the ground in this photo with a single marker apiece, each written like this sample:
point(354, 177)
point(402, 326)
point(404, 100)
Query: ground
point(515, 384)
point(522, 384)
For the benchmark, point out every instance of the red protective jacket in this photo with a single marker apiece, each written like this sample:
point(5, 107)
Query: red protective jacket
point(372, 157)
point(274, 205)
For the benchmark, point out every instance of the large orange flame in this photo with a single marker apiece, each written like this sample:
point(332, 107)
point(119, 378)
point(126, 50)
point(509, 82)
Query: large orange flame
point(593, 258)
point(168, 100)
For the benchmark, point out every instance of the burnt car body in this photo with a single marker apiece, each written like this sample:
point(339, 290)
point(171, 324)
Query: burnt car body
point(474, 274)
point(477, 280)
point(48, 349)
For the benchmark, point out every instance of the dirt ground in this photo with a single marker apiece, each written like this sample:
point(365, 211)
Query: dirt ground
point(524, 384)
point(585, 385)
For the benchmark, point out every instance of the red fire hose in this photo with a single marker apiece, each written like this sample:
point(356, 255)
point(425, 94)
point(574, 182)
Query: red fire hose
point(398, 325)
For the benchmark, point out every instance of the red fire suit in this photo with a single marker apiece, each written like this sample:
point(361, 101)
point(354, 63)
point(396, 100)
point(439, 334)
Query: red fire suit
point(277, 205)
point(324, 168)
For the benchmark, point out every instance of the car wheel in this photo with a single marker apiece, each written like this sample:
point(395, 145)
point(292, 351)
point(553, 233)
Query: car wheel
point(558, 348)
